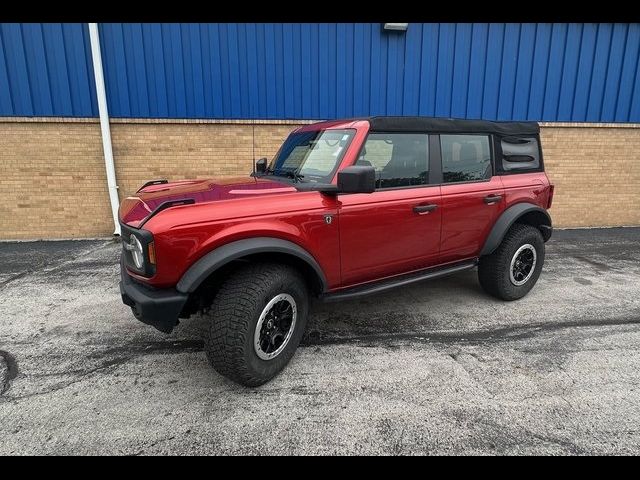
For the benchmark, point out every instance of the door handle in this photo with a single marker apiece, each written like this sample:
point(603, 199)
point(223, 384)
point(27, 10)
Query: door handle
point(422, 209)
point(491, 199)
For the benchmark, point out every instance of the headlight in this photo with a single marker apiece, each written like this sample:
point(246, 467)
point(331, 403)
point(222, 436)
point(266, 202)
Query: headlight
point(135, 247)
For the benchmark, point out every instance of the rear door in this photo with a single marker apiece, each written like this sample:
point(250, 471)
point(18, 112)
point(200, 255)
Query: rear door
point(472, 197)
point(396, 229)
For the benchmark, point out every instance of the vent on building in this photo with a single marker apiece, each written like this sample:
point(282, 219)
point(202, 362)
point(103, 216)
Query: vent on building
point(398, 27)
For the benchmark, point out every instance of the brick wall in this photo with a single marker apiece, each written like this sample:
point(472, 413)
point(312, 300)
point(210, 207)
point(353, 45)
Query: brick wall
point(52, 181)
point(53, 184)
point(596, 172)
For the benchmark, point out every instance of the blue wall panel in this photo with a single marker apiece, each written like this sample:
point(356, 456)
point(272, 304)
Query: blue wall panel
point(547, 72)
point(46, 69)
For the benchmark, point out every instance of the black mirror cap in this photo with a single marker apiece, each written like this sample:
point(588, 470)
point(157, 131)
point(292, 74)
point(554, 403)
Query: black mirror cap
point(357, 179)
point(261, 165)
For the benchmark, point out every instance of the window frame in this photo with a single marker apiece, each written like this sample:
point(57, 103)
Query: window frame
point(435, 172)
point(436, 177)
point(492, 156)
point(332, 174)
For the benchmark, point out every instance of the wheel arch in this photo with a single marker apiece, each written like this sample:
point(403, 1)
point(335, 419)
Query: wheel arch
point(268, 248)
point(526, 213)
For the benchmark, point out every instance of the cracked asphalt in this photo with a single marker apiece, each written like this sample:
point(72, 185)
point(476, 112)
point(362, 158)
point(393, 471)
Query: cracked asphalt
point(435, 368)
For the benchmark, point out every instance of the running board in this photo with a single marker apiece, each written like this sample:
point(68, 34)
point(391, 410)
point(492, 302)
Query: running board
point(399, 281)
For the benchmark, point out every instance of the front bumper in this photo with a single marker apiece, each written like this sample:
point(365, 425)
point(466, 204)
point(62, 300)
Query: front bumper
point(159, 308)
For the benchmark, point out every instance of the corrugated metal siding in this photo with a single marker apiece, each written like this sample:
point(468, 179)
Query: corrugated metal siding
point(46, 69)
point(547, 72)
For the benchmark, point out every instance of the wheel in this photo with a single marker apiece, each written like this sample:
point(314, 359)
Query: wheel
point(256, 322)
point(514, 267)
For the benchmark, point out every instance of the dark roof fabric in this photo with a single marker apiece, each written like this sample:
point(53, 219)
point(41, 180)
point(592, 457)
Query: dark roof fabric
point(451, 125)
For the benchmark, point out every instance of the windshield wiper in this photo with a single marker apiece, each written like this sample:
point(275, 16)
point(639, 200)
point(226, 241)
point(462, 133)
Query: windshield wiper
point(293, 174)
point(286, 173)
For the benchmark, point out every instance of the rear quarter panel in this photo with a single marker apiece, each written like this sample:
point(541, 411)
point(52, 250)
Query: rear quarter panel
point(526, 187)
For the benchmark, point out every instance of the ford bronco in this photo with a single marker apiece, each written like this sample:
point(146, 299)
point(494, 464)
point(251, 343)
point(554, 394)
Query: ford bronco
point(345, 208)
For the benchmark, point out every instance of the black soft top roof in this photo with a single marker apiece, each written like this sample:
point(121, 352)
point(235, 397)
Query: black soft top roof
point(451, 125)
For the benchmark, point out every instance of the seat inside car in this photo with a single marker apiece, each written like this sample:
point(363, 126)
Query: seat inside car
point(361, 161)
point(407, 164)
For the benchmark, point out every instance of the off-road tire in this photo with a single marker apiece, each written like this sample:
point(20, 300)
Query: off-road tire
point(234, 314)
point(493, 269)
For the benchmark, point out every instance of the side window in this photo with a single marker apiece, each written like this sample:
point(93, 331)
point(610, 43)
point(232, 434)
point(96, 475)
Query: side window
point(520, 153)
point(465, 158)
point(400, 159)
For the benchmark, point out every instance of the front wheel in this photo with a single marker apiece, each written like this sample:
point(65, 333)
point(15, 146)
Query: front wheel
point(511, 271)
point(256, 322)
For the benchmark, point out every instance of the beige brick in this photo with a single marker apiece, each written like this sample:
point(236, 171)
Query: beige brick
point(596, 173)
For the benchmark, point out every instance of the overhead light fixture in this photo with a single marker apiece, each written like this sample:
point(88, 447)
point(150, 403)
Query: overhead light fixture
point(398, 27)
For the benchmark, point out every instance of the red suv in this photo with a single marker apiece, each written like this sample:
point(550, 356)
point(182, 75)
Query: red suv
point(346, 208)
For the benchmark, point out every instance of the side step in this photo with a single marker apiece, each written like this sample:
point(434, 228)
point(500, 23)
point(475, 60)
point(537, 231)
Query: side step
point(399, 281)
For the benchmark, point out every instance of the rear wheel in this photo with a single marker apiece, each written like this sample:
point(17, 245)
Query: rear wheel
point(511, 271)
point(256, 322)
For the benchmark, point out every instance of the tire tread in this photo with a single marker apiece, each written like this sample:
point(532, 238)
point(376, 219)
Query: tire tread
point(493, 269)
point(231, 318)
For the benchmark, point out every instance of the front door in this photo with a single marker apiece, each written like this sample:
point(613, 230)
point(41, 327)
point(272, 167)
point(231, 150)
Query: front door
point(396, 229)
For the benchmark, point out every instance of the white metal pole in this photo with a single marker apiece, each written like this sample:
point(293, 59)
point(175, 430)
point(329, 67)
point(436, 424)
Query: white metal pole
point(104, 124)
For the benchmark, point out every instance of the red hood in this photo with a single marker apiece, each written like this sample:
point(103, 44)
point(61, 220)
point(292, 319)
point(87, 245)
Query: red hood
point(136, 208)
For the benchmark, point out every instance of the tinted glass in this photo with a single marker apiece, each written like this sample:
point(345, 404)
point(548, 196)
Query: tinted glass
point(465, 158)
point(400, 159)
point(520, 153)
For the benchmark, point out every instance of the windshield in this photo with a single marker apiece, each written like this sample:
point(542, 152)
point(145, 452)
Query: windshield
point(311, 156)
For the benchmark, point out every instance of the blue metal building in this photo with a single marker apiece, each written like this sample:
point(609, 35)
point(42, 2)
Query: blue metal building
point(545, 72)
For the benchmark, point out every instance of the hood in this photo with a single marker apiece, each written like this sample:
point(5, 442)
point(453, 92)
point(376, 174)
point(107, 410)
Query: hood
point(135, 209)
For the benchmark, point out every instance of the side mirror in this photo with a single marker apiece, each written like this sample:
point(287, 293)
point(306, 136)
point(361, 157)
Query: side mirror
point(357, 179)
point(261, 165)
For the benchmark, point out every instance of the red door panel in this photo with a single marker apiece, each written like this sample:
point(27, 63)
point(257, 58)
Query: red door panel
point(467, 218)
point(381, 235)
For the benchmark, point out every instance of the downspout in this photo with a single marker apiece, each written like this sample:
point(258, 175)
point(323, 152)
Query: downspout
point(104, 125)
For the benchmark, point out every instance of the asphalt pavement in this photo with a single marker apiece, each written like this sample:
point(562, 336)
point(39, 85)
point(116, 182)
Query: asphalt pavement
point(435, 368)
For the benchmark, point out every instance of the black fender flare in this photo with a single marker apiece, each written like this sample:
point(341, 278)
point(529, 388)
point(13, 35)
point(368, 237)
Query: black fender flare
point(212, 261)
point(508, 218)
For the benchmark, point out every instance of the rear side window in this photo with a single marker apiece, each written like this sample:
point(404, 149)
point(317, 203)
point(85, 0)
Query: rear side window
point(520, 153)
point(400, 159)
point(465, 158)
